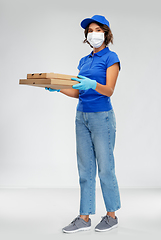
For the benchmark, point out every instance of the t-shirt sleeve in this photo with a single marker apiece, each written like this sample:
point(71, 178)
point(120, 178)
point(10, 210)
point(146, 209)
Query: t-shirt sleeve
point(113, 58)
point(80, 64)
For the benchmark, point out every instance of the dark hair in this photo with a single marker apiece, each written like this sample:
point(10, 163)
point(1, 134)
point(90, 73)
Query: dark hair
point(106, 29)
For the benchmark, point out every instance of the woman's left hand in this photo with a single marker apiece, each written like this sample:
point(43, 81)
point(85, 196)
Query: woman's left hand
point(52, 90)
point(85, 83)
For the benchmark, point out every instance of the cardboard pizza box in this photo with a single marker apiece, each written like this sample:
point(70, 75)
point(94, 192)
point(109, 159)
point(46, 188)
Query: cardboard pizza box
point(50, 75)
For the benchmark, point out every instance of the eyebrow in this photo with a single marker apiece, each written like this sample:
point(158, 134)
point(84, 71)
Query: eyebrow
point(95, 28)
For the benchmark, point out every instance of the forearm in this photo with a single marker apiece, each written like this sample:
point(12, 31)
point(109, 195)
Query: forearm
point(70, 92)
point(104, 89)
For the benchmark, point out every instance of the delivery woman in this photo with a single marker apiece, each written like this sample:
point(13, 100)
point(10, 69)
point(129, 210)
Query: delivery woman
point(96, 126)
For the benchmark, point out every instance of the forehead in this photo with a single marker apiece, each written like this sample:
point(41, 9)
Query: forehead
point(94, 25)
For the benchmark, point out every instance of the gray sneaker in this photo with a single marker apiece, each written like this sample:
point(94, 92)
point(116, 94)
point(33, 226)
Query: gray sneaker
point(78, 224)
point(107, 223)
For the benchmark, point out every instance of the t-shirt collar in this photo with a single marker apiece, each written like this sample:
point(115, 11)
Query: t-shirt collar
point(100, 53)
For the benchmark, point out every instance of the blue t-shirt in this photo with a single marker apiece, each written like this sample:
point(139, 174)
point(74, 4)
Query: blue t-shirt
point(94, 67)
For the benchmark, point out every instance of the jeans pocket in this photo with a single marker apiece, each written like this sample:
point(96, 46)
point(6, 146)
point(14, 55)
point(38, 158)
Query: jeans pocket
point(106, 115)
point(113, 120)
point(77, 117)
point(110, 117)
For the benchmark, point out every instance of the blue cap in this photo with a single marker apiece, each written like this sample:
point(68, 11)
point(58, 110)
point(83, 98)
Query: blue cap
point(95, 18)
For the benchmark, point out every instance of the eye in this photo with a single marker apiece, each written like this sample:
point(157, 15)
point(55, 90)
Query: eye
point(97, 29)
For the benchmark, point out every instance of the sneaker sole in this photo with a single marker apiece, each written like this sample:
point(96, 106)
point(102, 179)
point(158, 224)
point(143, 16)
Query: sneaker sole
point(77, 230)
point(108, 229)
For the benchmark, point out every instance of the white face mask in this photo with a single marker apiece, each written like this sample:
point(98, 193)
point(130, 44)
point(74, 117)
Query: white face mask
point(96, 39)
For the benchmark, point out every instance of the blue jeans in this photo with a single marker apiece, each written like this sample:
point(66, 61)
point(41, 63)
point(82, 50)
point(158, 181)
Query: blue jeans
point(95, 141)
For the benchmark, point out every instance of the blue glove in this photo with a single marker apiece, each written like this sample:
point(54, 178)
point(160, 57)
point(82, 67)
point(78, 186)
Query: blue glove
point(85, 83)
point(52, 90)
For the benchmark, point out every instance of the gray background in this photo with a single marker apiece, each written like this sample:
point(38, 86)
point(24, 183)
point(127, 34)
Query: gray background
point(37, 128)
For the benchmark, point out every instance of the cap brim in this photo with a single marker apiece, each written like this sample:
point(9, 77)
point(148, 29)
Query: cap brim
point(86, 21)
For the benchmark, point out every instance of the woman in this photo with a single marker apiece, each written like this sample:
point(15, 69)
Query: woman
point(96, 126)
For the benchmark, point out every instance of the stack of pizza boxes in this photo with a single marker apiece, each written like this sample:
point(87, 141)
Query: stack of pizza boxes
point(49, 80)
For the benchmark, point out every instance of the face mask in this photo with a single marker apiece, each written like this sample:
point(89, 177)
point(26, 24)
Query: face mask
point(96, 39)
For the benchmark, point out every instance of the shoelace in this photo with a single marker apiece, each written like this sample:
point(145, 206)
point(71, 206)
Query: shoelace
point(105, 218)
point(75, 219)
